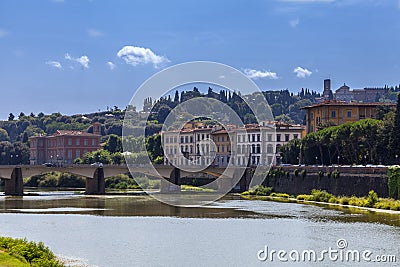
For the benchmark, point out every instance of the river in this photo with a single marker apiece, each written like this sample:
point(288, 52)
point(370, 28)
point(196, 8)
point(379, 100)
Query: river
point(136, 230)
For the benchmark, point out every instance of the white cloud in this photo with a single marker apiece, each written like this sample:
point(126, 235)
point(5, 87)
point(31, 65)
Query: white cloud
point(302, 72)
point(83, 60)
point(294, 23)
point(111, 65)
point(54, 64)
point(3, 33)
point(256, 74)
point(134, 56)
point(94, 33)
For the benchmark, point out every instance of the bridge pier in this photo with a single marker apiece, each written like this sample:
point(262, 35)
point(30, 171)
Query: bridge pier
point(96, 185)
point(167, 187)
point(15, 185)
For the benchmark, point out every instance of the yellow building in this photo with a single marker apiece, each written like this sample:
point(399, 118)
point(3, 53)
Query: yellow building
point(329, 113)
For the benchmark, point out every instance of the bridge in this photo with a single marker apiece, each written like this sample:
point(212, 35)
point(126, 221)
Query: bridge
point(95, 176)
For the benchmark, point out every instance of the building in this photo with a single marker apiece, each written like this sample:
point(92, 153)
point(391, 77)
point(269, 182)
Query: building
point(344, 93)
point(222, 145)
point(189, 146)
point(252, 144)
point(64, 146)
point(330, 113)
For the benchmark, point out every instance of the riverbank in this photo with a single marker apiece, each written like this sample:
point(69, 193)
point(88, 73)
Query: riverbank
point(321, 197)
point(16, 252)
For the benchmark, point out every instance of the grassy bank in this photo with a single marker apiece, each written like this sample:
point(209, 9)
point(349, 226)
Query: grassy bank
point(20, 252)
point(370, 201)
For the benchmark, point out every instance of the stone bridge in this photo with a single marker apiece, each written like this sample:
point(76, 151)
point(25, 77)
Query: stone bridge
point(95, 175)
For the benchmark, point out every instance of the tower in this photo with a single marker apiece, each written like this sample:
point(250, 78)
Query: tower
point(327, 89)
point(97, 128)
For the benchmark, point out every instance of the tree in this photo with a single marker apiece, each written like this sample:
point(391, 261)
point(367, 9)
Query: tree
point(394, 142)
point(176, 97)
point(11, 117)
point(113, 144)
point(4, 135)
point(21, 115)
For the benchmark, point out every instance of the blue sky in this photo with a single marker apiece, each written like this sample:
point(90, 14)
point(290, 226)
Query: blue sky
point(78, 56)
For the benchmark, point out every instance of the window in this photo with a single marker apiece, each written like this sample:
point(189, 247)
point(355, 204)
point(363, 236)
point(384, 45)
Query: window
point(69, 154)
point(287, 137)
point(186, 139)
point(93, 142)
point(349, 113)
point(223, 138)
point(270, 149)
point(278, 138)
point(77, 153)
point(70, 141)
point(258, 149)
point(269, 137)
point(78, 141)
point(85, 142)
point(182, 139)
point(258, 137)
point(239, 138)
point(253, 149)
point(239, 150)
point(208, 136)
point(198, 137)
point(333, 115)
point(312, 115)
point(202, 136)
point(191, 139)
point(295, 136)
point(253, 136)
point(223, 148)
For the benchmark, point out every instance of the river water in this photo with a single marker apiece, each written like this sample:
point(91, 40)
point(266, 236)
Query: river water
point(136, 230)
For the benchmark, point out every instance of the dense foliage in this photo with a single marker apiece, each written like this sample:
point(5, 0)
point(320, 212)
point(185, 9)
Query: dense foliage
point(362, 142)
point(36, 254)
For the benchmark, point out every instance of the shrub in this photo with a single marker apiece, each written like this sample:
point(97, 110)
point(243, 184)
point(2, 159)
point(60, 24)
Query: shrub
point(282, 195)
point(37, 254)
point(321, 195)
point(305, 197)
point(372, 199)
point(296, 172)
point(261, 191)
point(335, 174)
point(303, 173)
point(320, 174)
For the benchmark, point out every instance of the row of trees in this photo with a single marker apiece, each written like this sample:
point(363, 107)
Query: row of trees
point(367, 141)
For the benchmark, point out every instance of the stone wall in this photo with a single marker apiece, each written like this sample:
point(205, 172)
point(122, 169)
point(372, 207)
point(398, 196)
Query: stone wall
point(350, 181)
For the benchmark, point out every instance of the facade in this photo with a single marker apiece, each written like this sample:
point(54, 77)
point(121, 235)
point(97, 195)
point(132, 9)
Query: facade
point(64, 146)
point(241, 146)
point(190, 146)
point(331, 113)
point(223, 145)
point(344, 93)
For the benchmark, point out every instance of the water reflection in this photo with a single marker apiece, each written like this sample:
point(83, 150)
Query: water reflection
point(231, 206)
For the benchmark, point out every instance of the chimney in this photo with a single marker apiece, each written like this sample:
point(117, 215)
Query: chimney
point(97, 128)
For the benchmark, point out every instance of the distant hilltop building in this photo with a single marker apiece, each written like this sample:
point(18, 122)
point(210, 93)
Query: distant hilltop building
point(344, 93)
point(359, 95)
point(64, 145)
